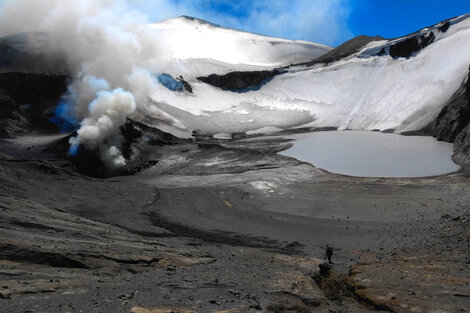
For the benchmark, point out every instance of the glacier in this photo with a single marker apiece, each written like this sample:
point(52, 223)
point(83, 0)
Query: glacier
point(367, 90)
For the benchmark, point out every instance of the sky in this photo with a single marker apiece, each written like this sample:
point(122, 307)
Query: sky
point(329, 22)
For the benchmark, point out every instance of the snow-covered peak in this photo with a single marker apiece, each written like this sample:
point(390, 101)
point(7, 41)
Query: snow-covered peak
point(187, 38)
point(399, 84)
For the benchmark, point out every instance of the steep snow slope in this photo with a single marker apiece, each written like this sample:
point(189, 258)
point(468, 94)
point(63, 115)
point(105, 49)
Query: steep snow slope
point(374, 88)
point(196, 47)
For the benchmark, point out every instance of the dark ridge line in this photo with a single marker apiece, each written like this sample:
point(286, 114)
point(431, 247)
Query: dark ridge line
point(442, 26)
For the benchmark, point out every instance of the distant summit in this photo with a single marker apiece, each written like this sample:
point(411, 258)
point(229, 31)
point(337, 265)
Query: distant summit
point(190, 38)
point(195, 19)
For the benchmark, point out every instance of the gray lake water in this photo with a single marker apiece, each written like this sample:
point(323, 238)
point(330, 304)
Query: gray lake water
point(373, 154)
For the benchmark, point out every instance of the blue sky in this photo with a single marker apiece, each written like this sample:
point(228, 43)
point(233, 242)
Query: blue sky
point(329, 22)
point(396, 18)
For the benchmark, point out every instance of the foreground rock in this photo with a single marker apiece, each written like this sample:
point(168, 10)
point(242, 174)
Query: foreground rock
point(414, 281)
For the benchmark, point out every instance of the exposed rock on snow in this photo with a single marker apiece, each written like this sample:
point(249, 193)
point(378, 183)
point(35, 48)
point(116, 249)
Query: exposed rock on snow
point(462, 149)
point(348, 48)
point(455, 116)
point(410, 45)
point(240, 81)
point(453, 124)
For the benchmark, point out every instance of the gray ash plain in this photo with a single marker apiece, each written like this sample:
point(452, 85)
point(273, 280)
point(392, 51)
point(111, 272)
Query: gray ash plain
point(225, 226)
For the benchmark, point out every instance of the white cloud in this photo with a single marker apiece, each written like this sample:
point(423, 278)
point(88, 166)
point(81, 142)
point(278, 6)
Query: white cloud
point(322, 21)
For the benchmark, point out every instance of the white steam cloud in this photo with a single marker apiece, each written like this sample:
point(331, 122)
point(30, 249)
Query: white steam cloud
point(106, 46)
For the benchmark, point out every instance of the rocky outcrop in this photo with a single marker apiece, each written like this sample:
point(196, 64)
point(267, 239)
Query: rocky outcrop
point(7, 105)
point(462, 149)
point(455, 115)
point(87, 162)
point(36, 91)
point(30, 75)
point(348, 48)
point(453, 124)
point(25, 88)
point(240, 81)
point(11, 121)
point(412, 281)
point(407, 47)
point(444, 26)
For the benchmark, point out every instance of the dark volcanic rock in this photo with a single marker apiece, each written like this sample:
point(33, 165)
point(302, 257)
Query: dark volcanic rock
point(186, 85)
point(404, 48)
point(444, 27)
point(453, 124)
point(11, 121)
point(140, 167)
point(31, 74)
point(346, 49)
point(455, 116)
point(462, 149)
point(7, 105)
point(240, 81)
point(24, 88)
point(37, 91)
point(87, 162)
point(407, 47)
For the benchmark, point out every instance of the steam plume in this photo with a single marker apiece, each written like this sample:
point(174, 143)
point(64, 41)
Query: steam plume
point(107, 49)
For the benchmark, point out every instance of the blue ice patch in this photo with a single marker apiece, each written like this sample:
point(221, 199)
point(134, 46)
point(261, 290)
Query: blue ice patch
point(169, 82)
